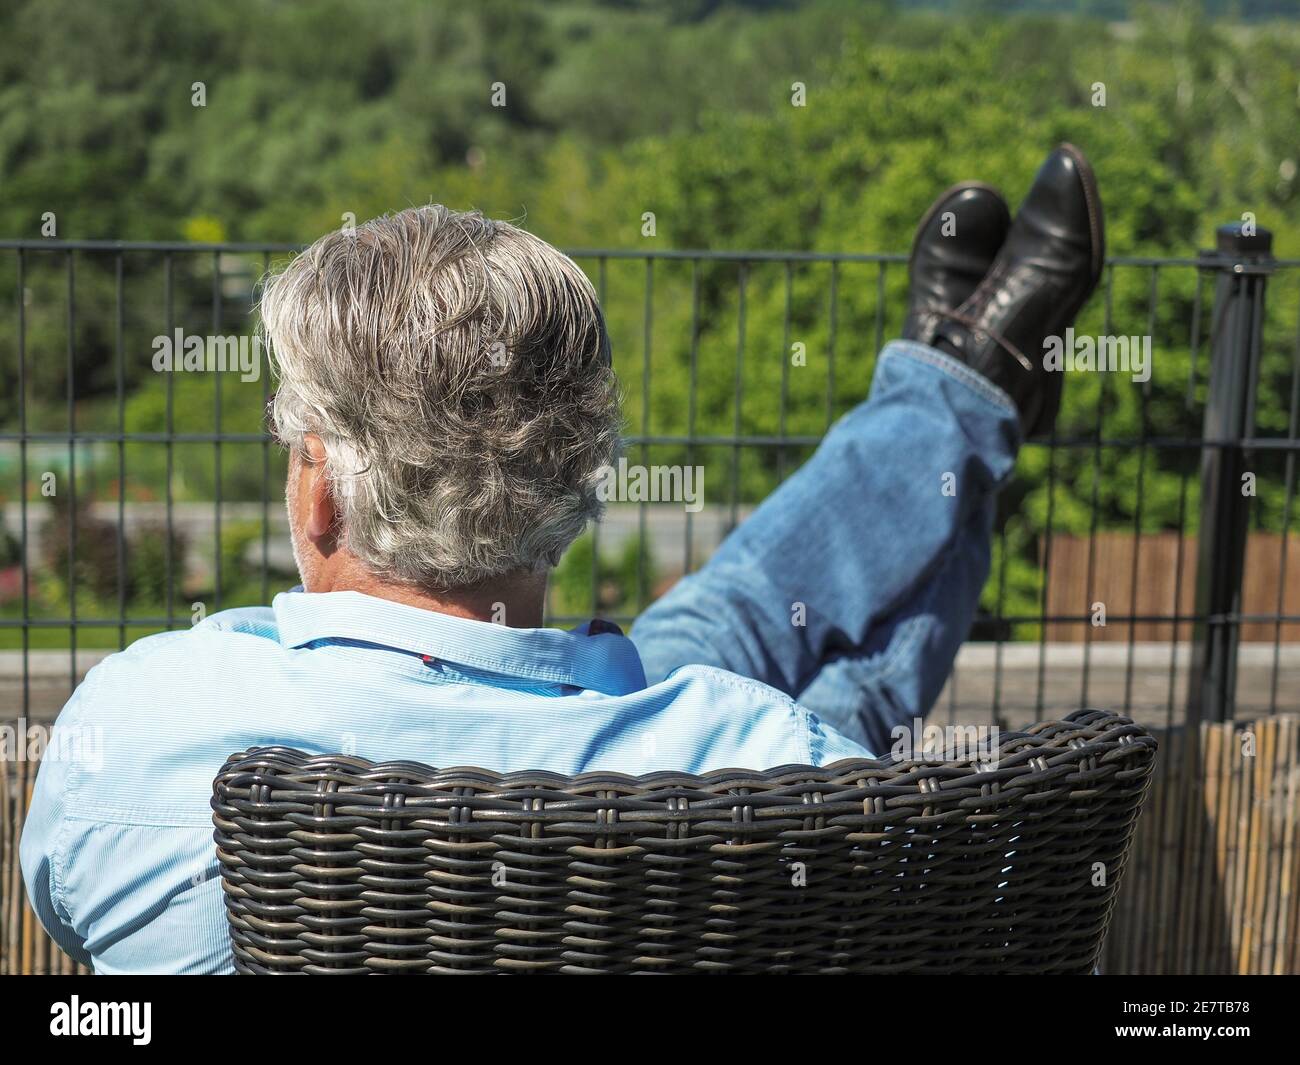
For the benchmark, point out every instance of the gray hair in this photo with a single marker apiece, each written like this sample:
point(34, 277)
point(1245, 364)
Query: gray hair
point(457, 372)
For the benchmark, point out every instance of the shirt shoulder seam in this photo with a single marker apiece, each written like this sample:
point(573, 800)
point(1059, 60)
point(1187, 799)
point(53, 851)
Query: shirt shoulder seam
point(804, 717)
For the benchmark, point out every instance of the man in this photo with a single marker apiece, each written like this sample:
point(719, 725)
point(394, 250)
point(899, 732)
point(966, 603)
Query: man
point(446, 394)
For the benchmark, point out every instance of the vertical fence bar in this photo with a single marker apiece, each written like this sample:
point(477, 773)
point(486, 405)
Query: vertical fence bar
point(119, 344)
point(72, 475)
point(602, 288)
point(1243, 261)
point(22, 482)
point(642, 589)
point(785, 370)
point(1046, 574)
point(169, 280)
point(1188, 781)
point(14, 810)
point(218, 381)
point(688, 559)
point(1189, 409)
point(266, 476)
point(1157, 803)
point(880, 311)
point(737, 424)
point(830, 342)
point(1094, 504)
point(1143, 433)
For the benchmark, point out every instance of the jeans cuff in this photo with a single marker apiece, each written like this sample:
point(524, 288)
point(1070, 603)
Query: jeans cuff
point(977, 382)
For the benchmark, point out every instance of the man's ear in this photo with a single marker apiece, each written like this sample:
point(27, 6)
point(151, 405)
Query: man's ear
point(320, 515)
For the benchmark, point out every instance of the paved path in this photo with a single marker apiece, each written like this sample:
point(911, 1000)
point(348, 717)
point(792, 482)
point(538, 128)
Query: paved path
point(1012, 681)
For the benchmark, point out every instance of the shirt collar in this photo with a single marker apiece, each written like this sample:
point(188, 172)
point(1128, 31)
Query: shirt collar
point(607, 662)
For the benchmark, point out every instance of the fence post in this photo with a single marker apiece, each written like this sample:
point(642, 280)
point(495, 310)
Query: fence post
point(1242, 262)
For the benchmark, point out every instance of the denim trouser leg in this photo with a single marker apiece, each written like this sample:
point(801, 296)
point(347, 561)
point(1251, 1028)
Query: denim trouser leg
point(852, 585)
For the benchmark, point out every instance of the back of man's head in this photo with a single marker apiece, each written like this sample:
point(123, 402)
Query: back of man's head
point(457, 371)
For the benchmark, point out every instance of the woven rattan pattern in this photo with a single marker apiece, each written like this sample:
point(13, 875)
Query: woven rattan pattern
point(335, 865)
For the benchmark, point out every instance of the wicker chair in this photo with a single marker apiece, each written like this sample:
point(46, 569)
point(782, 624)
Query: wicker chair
point(338, 865)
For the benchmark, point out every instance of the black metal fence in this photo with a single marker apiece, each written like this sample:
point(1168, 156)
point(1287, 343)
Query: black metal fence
point(135, 499)
point(1141, 559)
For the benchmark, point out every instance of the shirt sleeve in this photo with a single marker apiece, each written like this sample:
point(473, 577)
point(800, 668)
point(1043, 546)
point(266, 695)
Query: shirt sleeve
point(120, 894)
point(43, 831)
point(825, 745)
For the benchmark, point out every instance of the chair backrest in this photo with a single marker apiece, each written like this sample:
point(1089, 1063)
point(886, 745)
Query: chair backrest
point(333, 864)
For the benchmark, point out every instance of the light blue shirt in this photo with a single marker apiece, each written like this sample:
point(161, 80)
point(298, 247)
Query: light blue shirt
point(117, 850)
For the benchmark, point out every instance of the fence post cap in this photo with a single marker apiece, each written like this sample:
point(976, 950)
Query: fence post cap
point(1233, 239)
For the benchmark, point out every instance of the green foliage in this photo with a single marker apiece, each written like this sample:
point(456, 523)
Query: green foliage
point(615, 109)
point(150, 558)
point(236, 537)
point(80, 548)
point(11, 549)
point(88, 559)
point(618, 578)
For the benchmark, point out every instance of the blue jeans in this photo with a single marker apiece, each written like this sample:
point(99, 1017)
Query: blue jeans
point(853, 585)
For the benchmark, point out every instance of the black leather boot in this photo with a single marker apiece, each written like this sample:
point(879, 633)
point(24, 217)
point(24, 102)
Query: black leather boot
point(954, 246)
point(1049, 265)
